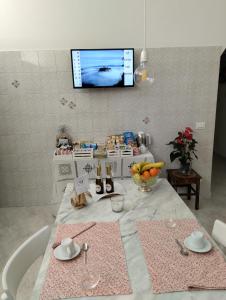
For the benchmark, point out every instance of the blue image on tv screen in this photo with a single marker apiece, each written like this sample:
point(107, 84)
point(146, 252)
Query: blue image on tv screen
point(102, 68)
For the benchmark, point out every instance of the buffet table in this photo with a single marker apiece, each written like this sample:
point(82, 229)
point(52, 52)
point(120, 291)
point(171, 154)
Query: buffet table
point(155, 205)
point(66, 167)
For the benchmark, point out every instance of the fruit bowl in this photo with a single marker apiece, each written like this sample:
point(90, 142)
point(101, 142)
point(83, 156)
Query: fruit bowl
point(145, 174)
point(145, 186)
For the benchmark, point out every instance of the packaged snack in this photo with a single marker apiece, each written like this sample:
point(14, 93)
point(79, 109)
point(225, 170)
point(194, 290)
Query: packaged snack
point(128, 137)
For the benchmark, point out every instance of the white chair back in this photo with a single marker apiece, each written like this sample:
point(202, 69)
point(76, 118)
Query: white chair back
point(219, 232)
point(20, 261)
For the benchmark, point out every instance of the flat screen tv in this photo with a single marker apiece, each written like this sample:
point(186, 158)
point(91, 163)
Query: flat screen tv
point(94, 68)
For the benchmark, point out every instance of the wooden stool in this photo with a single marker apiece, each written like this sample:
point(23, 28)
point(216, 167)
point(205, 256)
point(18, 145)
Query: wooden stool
point(178, 179)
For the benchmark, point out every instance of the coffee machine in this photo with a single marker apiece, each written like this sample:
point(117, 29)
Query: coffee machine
point(143, 141)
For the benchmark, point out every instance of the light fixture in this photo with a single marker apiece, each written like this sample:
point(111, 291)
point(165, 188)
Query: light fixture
point(143, 74)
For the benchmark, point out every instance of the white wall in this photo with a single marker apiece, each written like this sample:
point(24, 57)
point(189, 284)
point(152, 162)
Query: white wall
point(185, 76)
point(60, 24)
point(185, 92)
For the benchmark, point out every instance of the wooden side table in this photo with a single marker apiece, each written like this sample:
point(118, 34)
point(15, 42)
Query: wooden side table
point(178, 179)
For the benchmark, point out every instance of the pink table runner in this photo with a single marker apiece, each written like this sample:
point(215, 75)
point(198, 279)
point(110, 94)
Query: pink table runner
point(105, 256)
point(169, 270)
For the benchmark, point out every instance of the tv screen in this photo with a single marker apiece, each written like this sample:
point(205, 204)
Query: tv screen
point(93, 68)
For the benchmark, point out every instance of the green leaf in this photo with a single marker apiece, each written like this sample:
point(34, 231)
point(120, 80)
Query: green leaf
point(174, 155)
point(195, 155)
point(170, 143)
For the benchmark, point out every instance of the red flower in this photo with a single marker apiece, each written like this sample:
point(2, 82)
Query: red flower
point(188, 135)
point(183, 146)
point(179, 141)
point(188, 129)
point(180, 134)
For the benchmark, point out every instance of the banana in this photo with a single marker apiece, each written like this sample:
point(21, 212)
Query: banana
point(159, 164)
point(147, 167)
point(152, 165)
point(142, 164)
point(135, 168)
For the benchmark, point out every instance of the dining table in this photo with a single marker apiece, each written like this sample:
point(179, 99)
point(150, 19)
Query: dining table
point(160, 203)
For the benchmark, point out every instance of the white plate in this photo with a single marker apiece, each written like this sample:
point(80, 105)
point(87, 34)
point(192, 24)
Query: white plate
point(59, 255)
point(188, 244)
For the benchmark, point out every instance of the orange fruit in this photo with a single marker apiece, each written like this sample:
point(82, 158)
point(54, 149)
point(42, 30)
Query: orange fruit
point(153, 172)
point(146, 175)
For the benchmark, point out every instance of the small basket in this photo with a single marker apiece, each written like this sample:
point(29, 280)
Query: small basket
point(67, 156)
point(113, 153)
point(83, 153)
point(126, 152)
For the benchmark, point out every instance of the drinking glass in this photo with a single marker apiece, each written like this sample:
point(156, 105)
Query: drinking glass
point(171, 216)
point(90, 279)
point(117, 203)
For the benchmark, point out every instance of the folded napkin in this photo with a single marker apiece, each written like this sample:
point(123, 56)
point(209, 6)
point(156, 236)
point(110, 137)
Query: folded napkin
point(213, 277)
point(201, 287)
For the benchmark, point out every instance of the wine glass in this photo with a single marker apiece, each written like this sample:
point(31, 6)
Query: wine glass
point(89, 278)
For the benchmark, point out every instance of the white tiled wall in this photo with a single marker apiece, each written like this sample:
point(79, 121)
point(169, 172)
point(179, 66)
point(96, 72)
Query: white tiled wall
point(184, 92)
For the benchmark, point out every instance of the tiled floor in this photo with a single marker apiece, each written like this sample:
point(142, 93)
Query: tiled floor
point(215, 207)
point(18, 223)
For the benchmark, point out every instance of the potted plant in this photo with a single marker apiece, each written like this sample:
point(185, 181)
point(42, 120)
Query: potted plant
point(184, 149)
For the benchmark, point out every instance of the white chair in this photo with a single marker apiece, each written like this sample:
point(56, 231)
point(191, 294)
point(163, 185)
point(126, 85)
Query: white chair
point(20, 261)
point(219, 232)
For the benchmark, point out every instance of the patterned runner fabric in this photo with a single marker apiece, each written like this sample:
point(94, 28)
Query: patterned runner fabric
point(169, 270)
point(105, 257)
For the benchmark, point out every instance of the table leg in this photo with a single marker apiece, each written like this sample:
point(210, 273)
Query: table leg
point(197, 195)
point(189, 192)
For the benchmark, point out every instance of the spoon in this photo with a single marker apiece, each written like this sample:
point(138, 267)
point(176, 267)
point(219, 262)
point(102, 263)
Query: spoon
point(183, 251)
point(85, 248)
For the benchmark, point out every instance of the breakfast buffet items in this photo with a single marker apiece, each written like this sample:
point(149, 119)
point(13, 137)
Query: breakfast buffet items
point(119, 150)
point(145, 174)
point(126, 144)
point(63, 142)
point(79, 201)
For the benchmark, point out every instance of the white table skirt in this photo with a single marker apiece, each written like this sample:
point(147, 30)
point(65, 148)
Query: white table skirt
point(138, 206)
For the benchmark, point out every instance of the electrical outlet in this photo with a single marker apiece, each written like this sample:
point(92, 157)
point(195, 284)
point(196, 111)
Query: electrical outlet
point(200, 125)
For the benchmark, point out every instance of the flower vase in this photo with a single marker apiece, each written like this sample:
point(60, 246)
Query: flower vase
point(185, 168)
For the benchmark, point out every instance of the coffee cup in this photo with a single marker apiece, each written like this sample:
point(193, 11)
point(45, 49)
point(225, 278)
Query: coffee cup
point(197, 239)
point(68, 247)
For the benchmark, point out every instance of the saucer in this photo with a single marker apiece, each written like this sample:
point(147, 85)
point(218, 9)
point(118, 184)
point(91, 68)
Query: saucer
point(60, 255)
point(188, 244)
